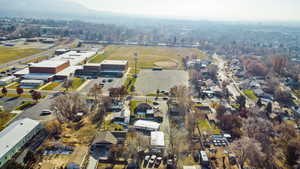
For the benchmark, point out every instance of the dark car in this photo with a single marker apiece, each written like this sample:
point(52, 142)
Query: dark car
point(110, 80)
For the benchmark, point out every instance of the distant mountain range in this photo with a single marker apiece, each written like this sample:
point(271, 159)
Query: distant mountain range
point(56, 9)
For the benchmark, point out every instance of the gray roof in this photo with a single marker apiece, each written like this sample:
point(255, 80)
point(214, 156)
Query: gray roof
point(105, 137)
point(14, 133)
point(48, 63)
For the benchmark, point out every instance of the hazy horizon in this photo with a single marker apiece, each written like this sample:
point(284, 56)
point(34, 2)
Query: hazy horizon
point(229, 10)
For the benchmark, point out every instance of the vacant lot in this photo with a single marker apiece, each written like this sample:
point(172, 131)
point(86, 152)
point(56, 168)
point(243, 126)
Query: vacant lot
point(165, 57)
point(149, 81)
point(8, 54)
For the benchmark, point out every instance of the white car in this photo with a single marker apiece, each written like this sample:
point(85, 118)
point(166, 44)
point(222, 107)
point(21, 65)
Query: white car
point(152, 159)
point(147, 158)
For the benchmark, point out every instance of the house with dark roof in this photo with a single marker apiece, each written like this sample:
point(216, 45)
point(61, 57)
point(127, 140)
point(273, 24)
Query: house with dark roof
point(144, 108)
point(102, 144)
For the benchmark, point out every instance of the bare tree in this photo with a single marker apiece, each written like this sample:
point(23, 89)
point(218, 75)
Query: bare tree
point(96, 92)
point(4, 91)
point(67, 106)
point(248, 149)
point(68, 83)
point(53, 128)
point(177, 139)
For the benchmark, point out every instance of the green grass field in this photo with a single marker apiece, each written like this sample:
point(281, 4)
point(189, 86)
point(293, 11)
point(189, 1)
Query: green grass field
point(8, 54)
point(169, 58)
point(210, 128)
point(250, 94)
point(5, 118)
point(50, 86)
point(76, 83)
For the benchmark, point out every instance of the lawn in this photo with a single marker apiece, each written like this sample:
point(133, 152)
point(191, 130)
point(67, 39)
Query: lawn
point(204, 125)
point(76, 83)
point(4, 119)
point(8, 54)
point(148, 57)
point(13, 85)
point(50, 86)
point(25, 105)
point(250, 94)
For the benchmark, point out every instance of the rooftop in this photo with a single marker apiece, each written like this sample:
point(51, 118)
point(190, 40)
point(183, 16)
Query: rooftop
point(147, 124)
point(14, 133)
point(48, 63)
point(114, 62)
point(157, 138)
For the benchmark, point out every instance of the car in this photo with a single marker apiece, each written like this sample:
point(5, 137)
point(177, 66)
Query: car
point(155, 103)
point(103, 81)
point(147, 158)
point(158, 161)
point(165, 98)
point(152, 159)
point(110, 80)
point(46, 112)
point(170, 162)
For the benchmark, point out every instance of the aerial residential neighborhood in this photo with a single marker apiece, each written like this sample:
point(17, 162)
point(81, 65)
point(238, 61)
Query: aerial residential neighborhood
point(86, 88)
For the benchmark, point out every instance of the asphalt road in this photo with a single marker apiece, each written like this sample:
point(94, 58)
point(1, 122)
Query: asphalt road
point(49, 52)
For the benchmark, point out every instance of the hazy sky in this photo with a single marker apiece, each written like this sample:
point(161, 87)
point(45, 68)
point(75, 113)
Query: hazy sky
point(283, 10)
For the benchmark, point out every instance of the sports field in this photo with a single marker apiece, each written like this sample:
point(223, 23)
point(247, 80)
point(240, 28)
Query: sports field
point(8, 54)
point(165, 57)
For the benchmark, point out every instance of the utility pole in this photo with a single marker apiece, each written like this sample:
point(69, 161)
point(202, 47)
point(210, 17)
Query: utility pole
point(135, 64)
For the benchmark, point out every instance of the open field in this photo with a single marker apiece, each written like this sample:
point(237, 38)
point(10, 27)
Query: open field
point(8, 54)
point(149, 81)
point(170, 58)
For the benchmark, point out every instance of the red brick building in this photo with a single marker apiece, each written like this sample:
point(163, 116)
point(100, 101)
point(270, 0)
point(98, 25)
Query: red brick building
point(48, 67)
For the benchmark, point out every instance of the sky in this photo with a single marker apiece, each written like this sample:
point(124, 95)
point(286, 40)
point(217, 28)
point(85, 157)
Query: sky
point(249, 10)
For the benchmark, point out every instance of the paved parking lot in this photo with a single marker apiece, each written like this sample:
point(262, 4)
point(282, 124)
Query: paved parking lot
point(116, 82)
point(149, 81)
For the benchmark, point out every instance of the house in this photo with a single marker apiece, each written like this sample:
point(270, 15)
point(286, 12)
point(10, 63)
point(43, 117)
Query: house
point(15, 136)
point(102, 144)
point(144, 108)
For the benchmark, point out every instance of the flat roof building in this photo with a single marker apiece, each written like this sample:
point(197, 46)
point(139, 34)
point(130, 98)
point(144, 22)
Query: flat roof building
point(146, 125)
point(6, 80)
point(157, 139)
point(15, 136)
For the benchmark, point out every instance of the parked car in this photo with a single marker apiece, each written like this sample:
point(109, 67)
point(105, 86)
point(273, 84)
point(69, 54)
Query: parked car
point(152, 159)
point(103, 81)
point(158, 161)
point(110, 80)
point(147, 158)
point(155, 103)
point(46, 112)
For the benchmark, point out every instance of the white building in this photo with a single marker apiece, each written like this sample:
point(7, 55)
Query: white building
point(157, 139)
point(7, 80)
point(15, 136)
point(31, 83)
point(146, 125)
